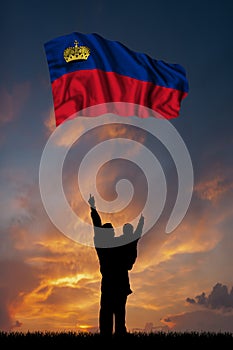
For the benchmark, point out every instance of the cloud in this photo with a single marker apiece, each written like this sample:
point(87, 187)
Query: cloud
point(20, 197)
point(64, 284)
point(72, 130)
point(50, 123)
point(200, 321)
point(45, 276)
point(214, 187)
point(13, 101)
point(190, 300)
point(214, 312)
point(172, 266)
point(43, 273)
point(13, 288)
point(219, 298)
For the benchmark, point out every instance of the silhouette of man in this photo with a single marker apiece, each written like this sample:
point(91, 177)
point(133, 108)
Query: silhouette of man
point(116, 257)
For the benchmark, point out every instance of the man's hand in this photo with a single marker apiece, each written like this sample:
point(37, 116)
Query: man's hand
point(91, 201)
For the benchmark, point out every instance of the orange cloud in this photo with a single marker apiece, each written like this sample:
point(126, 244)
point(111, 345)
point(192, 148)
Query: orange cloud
point(50, 123)
point(214, 188)
point(66, 284)
point(68, 134)
point(63, 280)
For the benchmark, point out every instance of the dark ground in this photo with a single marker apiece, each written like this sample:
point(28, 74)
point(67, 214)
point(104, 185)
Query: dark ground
point(78, 340)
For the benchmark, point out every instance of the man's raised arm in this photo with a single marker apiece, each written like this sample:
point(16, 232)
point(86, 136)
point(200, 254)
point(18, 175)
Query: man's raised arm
point(96, 220)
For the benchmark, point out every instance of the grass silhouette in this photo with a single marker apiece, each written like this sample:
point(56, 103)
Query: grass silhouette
point(134, 339)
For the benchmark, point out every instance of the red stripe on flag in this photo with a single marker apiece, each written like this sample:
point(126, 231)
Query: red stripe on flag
point(79, 90)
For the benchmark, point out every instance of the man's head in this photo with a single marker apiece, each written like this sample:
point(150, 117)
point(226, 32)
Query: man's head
point(128, 229)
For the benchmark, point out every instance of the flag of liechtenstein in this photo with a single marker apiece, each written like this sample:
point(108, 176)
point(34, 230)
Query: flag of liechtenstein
point(88, 70)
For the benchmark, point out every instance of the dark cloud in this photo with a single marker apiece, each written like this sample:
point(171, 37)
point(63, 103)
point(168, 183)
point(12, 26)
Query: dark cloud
point(201, 321)
point(219, 298)
point(214, 313)
point(190, 300)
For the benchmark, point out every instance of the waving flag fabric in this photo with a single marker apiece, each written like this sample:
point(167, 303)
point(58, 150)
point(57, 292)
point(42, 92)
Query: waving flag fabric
point(88, 70)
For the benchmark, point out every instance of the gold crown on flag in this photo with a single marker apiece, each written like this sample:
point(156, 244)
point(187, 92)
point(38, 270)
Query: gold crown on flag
point(76, 53)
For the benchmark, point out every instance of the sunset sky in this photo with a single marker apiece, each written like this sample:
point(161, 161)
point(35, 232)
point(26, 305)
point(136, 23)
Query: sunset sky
point(180, 281)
